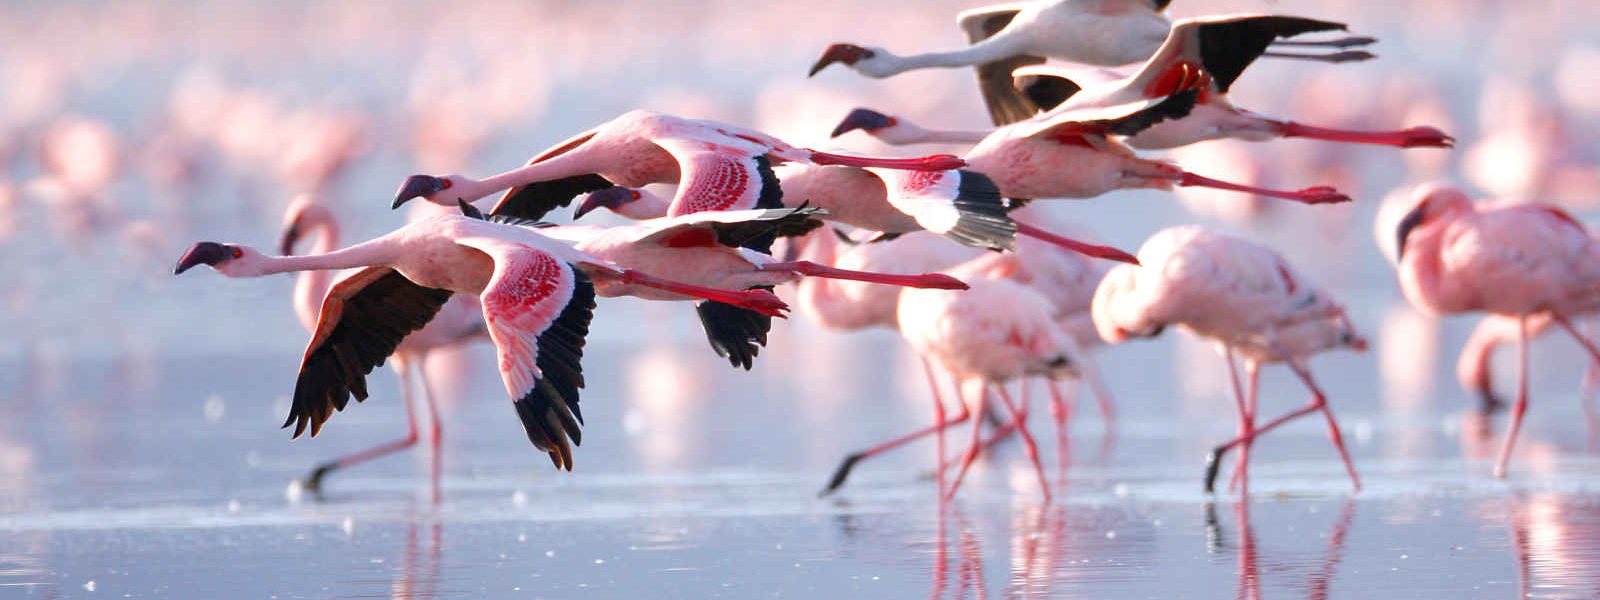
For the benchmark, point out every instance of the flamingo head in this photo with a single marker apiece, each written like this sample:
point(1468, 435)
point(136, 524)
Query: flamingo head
point(1120, 312)
point(427, 187)
point(633, 203)
point(233, 260)
point(851, 55)
point(1433, 200)
point(1161, 5)
point(305, 214)
point(866, 120)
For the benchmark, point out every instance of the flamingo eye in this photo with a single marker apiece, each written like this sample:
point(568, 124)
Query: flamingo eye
point(634, 194)
point(893, 121)
point(445, 184)
point(237, 253)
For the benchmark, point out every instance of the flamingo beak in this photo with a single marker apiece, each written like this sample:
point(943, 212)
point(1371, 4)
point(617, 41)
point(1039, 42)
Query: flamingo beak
point(1410, 222)
point(418, 186)
point(864, 119)
point(610, 198)
point(840, 53)
point(207, 253)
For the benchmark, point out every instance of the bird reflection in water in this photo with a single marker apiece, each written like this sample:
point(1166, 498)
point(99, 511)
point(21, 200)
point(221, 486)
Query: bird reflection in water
point(419, 568)
point(1557, 551)
point(1248, 552)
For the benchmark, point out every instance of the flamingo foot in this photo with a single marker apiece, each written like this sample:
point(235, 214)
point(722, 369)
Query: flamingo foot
point(1415, 137)
point(1086, 249)
point(936, 281)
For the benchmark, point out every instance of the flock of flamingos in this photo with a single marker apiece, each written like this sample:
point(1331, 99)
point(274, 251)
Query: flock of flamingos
point(945, 249)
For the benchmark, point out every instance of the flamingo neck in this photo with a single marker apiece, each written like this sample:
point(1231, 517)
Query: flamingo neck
point(989, 50)
point(365, 254)
point(575, 162)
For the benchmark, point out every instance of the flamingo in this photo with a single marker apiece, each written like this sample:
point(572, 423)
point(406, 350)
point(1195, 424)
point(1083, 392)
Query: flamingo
point(1525, 261)
point(1105, 33)
point(704, 249)
point(717, 167)
point(459, 321)
point(1066, 153)
point(1242, 295)
point(537, 296)
point(1224, 47)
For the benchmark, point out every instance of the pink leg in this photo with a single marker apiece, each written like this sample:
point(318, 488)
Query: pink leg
point(1241, 463)
point(849, 463)
point(1252, 374)
point(1062, 412)
point(1027, 438)
point(1591, 374)
point(1311, 195)
point(938, 418)
point(1415, 137)
point(1086, 249)
point(938, 281)
point(1318, 402)
point(761, 301)
point(1521, 405)
point(937, 162)
point(437, 430)
point(976, 444)
point(1000, 433)
point(313, 482)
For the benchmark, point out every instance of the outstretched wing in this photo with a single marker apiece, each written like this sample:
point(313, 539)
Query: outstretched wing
point(534, 200)
point(728, 228)
point(363, 319)
point(1225, 46)
point(718, 177)
point(538, 311)
point(1006, 105)
point(1128, 118)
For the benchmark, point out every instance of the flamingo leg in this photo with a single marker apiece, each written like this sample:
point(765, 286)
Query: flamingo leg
point(761, 301)
point(1030, 447)
point(1061, 410)
point(937, 162)
point(1415, 137)
point(430, 403)
point(402, 367)
point(1311, 195)
point(938, 418)
point(1521, 406)
point(1102, 395)
point(849, 463)
point(975, 445)
point(1318, 402)
point(1252, 374)
point(1591, 373)
point(937, 281)
point(1242, 462)
point(1084, 248)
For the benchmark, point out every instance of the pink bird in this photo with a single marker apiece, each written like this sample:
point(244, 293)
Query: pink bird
point(705, 249)
point(1224, 47)
point(537, 296)
point(459, 321)
point(1103, 33)
point(716, 167)
point(1524, 261)
point(1240, 294)
point(1067, 153)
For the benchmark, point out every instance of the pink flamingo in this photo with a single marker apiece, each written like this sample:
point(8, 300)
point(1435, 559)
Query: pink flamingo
point(459, 321)
point(1068, 154)
point(1472, 366)
point(1224, 47)
point(537, 296)
point(1522, 261)
point(705, 249)
point(717, 167)
point(1240, 294)
point(1104, 33)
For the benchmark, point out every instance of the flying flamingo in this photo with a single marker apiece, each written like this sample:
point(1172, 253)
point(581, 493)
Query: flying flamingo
point(1062, 154)
point(704, 249)
point(460, 320)
point(537, 296)
point(1524, 261)
point(1224, 47)
point(1105, 33)
point(1240, 294)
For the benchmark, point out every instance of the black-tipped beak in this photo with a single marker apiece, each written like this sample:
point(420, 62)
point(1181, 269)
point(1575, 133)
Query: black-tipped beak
point(840, 53)
point(291, 235)
point(1412, 220)
point(611, 198)
point(863, 119)
point(206, 253)
point(418, 186)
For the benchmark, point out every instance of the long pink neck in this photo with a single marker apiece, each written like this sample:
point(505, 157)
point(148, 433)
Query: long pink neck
point(312, 286)
point(578, 161)
point(373, 252)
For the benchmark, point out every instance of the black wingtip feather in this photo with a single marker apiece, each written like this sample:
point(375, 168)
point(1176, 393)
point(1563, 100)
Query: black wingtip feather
point(735, 333)
point(549, 412)
point(535, 200)
point(983, 222)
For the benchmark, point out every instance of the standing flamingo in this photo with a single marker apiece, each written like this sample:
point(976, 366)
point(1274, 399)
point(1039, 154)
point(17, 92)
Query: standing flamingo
point(537, 296)
point(459, 321)
point(1105, 33)
point(1475, 374)
point(1240, 294)
point(1525, 261)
